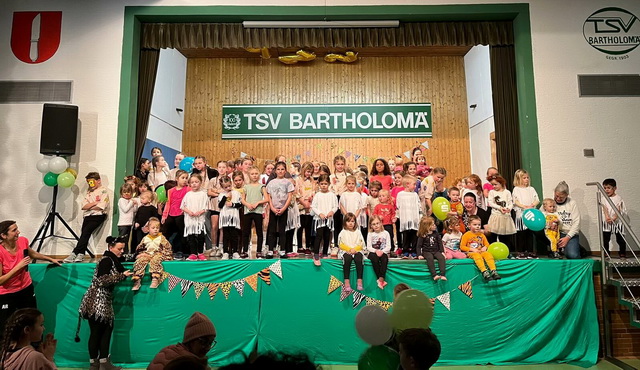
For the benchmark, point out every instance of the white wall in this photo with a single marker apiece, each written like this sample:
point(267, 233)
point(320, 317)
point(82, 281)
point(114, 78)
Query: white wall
point(166, 123)
point(477, 70)
point(90, 55)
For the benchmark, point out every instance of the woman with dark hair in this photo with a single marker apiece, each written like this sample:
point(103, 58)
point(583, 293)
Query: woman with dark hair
point(24, 327)
point(16, 287)
point(142, 169)
point(97, 304)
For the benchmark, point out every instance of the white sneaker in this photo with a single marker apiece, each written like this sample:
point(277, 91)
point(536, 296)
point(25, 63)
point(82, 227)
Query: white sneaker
point(70, 258)
point(225, 256)
point(334, 252)
point(79, 258)
point(236, 256)
point(281, 253)
point(219, 251)
point(269, 254)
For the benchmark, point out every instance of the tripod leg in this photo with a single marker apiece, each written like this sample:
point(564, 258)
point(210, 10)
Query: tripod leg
point(71, 231)
point(40, 234)
point(50, 219)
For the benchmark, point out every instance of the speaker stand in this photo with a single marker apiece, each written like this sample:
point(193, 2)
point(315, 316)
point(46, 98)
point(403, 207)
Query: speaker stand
point(48, 225)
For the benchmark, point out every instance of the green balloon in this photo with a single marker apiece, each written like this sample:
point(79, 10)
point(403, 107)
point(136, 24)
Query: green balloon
point(161, 193)
point(499, 251)
point(441, 207)
point(411, 309)
point(66, 180)
point(379, 358)
point(50, 179)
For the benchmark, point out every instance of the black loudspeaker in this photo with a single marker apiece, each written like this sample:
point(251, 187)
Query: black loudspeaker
point(59, 129)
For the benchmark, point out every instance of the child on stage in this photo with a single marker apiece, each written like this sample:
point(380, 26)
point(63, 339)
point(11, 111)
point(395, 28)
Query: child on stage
point(501, 203)
point(612, 224)
point(524, 197)
point(408, 205)
point(153, 249)
point(280, 191)
point(172, 215)
point(126, 209)
point(475, 244)
point(351, 244)
point(429, 246)
point(552, 225)
point(253, 199)
point(323, 207)
point(378, 245)
point(305, 189)
point(338, 186)
point(451, 238)
point(386, 211)
point(194, 205)
point(229, 202)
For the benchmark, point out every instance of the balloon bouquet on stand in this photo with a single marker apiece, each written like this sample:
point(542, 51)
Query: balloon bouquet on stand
point(411, 309)
point(57, 173)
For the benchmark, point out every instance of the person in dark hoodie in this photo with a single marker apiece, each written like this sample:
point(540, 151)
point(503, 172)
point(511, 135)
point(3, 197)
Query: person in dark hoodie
point(199, 337)
point(97, 304)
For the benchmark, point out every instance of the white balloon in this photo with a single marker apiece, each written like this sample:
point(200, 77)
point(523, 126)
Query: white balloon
point(373, 326)
point(58, 165)
point(43, 165)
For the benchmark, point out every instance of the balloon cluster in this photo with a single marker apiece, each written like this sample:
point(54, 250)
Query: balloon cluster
point(56, 171)
point(411, 309)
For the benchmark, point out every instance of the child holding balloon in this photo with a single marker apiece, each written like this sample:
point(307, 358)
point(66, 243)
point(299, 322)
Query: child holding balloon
point(430, 246)
point(552, 226)
point(524, 197)
point(501, 203)
point(475, 244)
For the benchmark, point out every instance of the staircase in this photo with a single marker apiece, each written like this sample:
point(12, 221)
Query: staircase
point(623, 274)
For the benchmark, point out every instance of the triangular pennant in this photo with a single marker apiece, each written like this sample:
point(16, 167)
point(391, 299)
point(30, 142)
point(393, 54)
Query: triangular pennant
point(370, 301)
point(425, 145)
point(298, 157)
point(318, 146)
point(184, 287)
point(334, 284)
point(226, 289)
point(340, 150)
point(356, 157)
point(276, 267)
point(407, 154)
point(213, 289)
point(252, 280)
point(344, 293)
point(265, 275)
point(173, 281)
point(243, 154)
point(198, 288)
point(445, 299)
point(385, 305)
point(466, 289)
point(239, 284)
point(307, 153)
point(347, 154)
point(357, 298)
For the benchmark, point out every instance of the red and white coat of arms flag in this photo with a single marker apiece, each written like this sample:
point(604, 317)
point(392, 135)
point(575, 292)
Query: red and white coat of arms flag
point(35, 36)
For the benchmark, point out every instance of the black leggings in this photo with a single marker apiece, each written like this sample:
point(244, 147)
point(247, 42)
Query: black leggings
point(389, 229)
point(346, 266)
point(230, 239)
point(524, 241)
point(247, 220)
point(11, 302)
point(337, 224)
point(399, 245)
point(606, 239)
point(174, 224)
point(379, 264)
point(323, 234)
point(409, 241)
point(429, 256)
point(89, 225)
point(276, 230)
point(99, 339)
point(306, 222)
point(196, 243)
point(126, 232)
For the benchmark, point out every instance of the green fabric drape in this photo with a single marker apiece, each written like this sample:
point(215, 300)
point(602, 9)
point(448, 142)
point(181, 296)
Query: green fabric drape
point(541, 311)
point(505, 110)
point(234, 36)
point(146, 83)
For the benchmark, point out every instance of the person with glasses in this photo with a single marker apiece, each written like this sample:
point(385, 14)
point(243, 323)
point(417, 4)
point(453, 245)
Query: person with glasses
point(199, 338)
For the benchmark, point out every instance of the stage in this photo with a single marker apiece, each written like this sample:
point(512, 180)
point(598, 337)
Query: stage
point(541, 311)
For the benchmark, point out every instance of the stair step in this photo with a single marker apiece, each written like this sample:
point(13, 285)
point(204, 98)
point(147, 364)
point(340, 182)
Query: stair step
point(634, 282)
point(635, 302)
point(627, 262)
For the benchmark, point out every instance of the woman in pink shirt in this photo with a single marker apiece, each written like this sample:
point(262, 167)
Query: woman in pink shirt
point(16, 288)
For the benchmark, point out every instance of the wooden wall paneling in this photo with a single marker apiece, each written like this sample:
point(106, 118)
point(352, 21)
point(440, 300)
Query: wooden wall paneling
point(212, 82)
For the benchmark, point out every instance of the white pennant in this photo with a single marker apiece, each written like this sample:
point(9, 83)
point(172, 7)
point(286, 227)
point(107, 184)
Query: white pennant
point(445, 299)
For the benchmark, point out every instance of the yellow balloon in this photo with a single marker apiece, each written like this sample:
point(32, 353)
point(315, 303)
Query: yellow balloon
point(265, 53)
point(72, 172)
point(306, 55)
point(289, 59)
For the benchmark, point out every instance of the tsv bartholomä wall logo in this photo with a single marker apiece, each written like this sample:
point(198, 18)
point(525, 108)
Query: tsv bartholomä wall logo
point(613, 31)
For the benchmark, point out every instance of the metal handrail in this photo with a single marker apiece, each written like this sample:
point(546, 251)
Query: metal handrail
point(605, 272)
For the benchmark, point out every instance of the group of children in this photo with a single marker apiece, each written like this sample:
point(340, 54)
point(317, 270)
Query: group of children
point(356, 211)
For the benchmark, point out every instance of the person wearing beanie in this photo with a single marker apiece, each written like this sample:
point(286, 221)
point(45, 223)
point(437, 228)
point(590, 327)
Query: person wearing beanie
point(198, 339)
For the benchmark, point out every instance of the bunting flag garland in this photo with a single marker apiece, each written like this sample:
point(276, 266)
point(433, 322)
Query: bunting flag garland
point(265, 275)
point(344, 293)
point(198, 288)
point(466, 289)
point(370, 301)
point(226, 289)
point(173, 281)
point(334, 284)
point(239, 284)
point(445, 299)
point(184, 286)
point(252, 280)
point(357, 298)
point(276, 268)
point(213, 289)
point(384, 304)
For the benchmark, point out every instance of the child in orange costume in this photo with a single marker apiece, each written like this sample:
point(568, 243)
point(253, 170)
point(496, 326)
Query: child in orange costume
point(153, 249)
point(475, 244)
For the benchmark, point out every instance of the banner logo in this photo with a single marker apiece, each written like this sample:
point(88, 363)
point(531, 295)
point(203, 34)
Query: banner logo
point(326, 121)
point(613, 31)
point(35, 36)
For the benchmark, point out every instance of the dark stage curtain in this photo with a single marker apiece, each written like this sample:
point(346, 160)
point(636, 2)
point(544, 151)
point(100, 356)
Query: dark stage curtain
point(146, 82)
point(235, 36)
point(505, 110)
